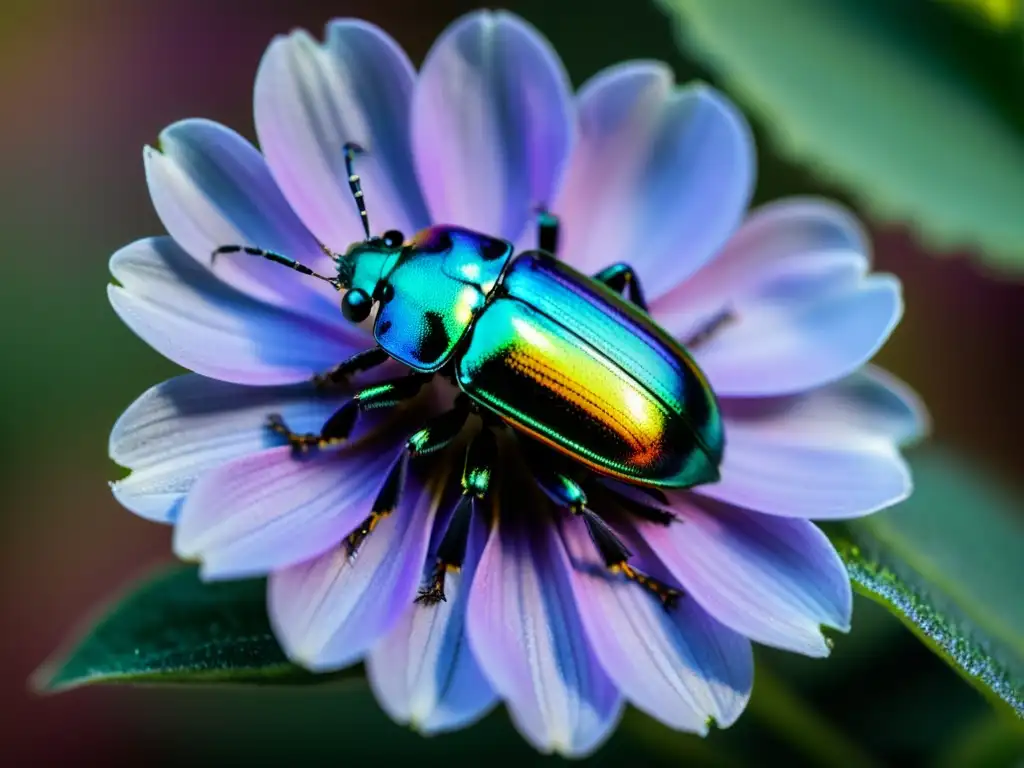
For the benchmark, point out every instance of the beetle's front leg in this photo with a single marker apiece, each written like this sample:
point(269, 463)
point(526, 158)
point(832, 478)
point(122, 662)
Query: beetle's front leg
point(476, 482)
point(337, 428)
point(621, 278)
point(437, 434)
point(361, 361)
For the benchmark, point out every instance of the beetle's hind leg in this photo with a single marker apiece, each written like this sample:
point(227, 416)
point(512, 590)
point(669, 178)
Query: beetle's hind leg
point(476, 482)
point(568, 493)
point(623, 279)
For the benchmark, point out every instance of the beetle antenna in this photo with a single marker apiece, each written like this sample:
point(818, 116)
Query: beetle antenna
point(277, 258)
point(351, 150)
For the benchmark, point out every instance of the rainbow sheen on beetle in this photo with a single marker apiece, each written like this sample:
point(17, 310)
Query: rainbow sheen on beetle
point(533, 344)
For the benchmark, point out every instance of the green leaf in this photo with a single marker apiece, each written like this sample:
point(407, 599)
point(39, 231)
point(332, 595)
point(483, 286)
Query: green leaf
point(948, 562)
point(910, 106)
point(176, 629)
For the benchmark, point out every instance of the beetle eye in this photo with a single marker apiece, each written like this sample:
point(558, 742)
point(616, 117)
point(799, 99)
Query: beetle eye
point(393, 238)
point(355, 305)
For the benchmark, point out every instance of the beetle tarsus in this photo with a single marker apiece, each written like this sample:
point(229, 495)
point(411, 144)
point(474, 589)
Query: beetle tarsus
point(355, 539)
point(434, 593)
point(301, 443)
point(669, 596)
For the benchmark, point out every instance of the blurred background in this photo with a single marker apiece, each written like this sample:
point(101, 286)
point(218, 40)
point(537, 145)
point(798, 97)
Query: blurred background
point(86, 85)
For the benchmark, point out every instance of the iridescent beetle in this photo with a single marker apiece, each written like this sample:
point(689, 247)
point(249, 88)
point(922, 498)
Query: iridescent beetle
point(531, 343)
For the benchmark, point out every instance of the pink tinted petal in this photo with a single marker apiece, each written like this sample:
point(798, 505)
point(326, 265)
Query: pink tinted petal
point(330, 611)
point(895, 408)
point(312, 98)
point(271, 509)
point(492, 124)
point(423, 672)
point(806, 320)
point(776, 580)
point(189, 316)
point(792, 344)
point(525, 631)
point(830, 453)
point(661, 176)
point(819, 482)
point(179, 429)
point(210, 188)
point(680, 666)
point(804, 314)
point(866, 406)
point(772, 233)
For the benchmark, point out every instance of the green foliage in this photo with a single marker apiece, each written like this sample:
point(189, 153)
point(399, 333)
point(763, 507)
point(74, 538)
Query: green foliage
point(914, 109)
point(948, 563)
point(176, 629)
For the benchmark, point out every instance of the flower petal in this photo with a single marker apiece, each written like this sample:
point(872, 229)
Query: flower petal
point(192, 318)
point(774, 579)
point(809, 344)
point(772, 233)
point(424, 672)
point(804, 313)
point(330, 611)
point(211, 187)
point(525, 631)
point(890, 406)
point(178, 429)
point(271, 510)
point(806, 321)
point(827, 454)
point(311, 99)
point(661, 176)
point(679, 666)
point(492, 124)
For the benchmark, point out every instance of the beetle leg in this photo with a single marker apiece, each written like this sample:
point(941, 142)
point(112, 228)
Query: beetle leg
point(567, 493)
point(476, 481)
point(635, 507)
point(337, 428)
point(547, 232)
point(437, 433)
point(616, 559)
point(361, 361)
point(622, 279)
point(709, 329)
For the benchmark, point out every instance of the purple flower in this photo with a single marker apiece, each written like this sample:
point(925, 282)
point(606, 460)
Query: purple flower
point(638, 170)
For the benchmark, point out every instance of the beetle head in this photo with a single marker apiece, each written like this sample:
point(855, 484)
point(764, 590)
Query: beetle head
point(363, 270)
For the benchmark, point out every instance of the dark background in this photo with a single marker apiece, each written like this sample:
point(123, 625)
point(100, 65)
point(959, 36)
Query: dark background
point(85, 85)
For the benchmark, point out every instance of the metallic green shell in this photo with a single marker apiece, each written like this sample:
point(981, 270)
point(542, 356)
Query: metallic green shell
point(564, 359)
point(435, 290)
